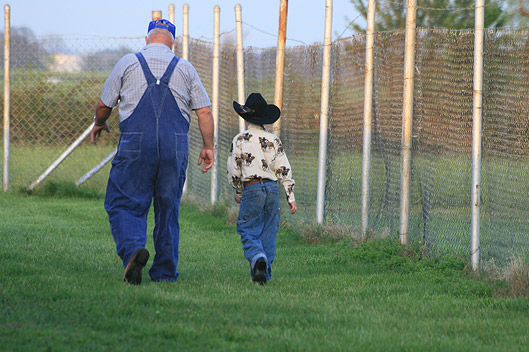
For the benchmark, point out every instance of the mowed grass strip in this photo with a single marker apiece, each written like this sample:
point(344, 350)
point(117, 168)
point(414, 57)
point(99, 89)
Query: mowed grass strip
point(62, 290)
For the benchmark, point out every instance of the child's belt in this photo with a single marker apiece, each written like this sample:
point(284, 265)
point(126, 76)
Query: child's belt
point(256, 180)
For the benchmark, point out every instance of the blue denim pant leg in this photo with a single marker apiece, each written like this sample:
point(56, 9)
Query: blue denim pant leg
point(166, 234)
point(258, 223)
point(127, 202)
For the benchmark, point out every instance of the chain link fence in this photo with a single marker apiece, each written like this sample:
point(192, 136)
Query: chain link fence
point(56, 82)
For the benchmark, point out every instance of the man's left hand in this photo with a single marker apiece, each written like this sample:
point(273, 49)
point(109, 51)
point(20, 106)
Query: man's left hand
point(206, 156)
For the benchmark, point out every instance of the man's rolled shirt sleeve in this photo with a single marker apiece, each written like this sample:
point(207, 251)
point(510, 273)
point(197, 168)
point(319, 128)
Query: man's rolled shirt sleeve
point(112, 86)
point(197, 92)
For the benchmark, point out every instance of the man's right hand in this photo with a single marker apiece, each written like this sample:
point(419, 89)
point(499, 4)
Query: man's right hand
point(102, 114)
point(96, 131)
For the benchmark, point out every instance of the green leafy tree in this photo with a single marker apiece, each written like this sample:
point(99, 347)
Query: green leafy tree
point(25, 49)
point(519, 12)
point(104, 60)
point(455, 14)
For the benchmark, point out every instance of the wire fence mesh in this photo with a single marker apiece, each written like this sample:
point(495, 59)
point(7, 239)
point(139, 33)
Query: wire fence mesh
point(56, 82)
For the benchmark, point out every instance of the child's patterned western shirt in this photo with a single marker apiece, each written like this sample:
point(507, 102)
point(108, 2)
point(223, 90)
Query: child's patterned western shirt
point(257, 153)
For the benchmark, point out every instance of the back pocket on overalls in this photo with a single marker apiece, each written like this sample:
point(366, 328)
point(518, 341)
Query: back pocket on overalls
point(182, 146)
point(129, 147)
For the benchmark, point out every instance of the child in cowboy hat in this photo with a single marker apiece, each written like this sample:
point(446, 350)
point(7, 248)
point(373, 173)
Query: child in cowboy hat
point(256, 161)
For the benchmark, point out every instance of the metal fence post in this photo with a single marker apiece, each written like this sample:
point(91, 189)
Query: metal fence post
point(324, 114)
point(407, 122)
point(240, 62)
point(171, 13)
point(156, 15)
point(171, 19)
point(368, 110)
point(215, 105)
point(185, 32)
point(476, 132)
point(185, 56)
point(7, 93)
point(280, 60)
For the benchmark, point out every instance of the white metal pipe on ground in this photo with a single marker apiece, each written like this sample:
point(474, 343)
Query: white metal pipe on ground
point(7, 94)
point(240, 62)
point(215, 105)
point(96, 168)
point(407, 121)
point(324, 114)
point(477, 117)
point(63, 157)
point(185, 56)
point(368, 111)
point(280, 61)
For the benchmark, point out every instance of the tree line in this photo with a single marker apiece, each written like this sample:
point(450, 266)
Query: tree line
point(31, 52)
point(390, 15)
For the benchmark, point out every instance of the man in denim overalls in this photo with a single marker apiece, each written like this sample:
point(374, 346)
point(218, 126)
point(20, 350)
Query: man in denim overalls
point(156, 92)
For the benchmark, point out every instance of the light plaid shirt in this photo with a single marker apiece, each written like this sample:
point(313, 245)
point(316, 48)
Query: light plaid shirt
point(257, 153)
point(127, 83)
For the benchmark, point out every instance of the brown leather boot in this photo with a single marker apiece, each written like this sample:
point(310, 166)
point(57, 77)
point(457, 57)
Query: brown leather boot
point(132, 273)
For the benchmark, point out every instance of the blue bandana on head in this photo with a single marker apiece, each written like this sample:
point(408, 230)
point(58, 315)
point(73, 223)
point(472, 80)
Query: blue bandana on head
point(163, 24)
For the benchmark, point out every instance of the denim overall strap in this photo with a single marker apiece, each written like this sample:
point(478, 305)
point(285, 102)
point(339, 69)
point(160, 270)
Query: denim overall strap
point(146, 70)
point(169, 71)
point(150, 166)
point(148, 74)
point(157, 100)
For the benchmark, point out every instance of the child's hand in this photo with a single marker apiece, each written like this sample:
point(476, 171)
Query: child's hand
point(237, 198)
point(293, 207)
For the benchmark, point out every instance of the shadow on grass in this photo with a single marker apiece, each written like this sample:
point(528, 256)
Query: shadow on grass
point(63, 189)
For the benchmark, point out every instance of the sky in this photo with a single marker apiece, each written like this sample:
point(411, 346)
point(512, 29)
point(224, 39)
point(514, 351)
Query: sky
point(129, 18)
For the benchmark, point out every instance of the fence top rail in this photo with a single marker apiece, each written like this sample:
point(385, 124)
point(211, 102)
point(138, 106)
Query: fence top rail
point(421, 30)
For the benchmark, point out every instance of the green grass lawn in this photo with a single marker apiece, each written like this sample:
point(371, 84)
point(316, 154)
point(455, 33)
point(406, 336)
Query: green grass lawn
point(61, 290)
point(440, 212)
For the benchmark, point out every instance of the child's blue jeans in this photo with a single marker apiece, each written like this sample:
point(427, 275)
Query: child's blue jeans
point(258, 223)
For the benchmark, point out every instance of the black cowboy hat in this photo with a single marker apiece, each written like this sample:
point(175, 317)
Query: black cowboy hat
point(256, 110)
